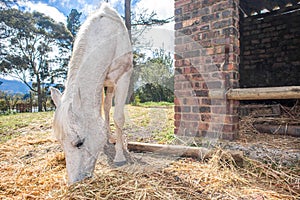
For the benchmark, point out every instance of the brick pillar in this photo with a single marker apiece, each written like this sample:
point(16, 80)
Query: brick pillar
point(206, 66)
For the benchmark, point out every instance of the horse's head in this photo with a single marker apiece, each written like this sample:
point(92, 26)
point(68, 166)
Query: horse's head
point(81, 136)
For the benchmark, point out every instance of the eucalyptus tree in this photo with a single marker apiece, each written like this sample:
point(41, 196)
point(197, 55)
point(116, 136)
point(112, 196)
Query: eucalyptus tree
point(34, 48)
point(73, 22)
point(7, 3)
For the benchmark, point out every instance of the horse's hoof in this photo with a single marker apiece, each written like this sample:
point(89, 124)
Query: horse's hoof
point(120, 164)
point(112, 140)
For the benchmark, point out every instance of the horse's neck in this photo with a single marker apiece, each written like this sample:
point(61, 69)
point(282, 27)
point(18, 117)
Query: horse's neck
point(87, 87)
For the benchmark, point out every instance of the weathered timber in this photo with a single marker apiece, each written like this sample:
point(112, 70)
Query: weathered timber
point(181, 151)
point(290, 130)
point(259, 110)
point(290, 92)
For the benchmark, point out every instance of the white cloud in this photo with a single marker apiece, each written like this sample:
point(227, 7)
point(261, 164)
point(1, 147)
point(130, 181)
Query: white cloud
point(158, 36)
point(163, 8)
point(88, 8)
point(65, 3)
point(50, 11)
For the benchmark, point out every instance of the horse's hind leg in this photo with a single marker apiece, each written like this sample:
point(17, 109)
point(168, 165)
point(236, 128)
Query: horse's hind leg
point(107, 106)
point(119, 118)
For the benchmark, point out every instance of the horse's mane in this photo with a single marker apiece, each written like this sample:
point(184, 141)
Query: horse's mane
point(81, 39)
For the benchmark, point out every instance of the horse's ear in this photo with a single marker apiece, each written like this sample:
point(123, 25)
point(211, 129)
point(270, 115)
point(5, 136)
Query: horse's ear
point(56, 96)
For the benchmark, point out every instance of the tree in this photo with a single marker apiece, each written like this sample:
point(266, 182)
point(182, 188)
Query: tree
point(154, 77)
point(8, 101)
point(73, 25)
point(73, 22)
point(7, 3)
point(136, 25)
point(28, 53)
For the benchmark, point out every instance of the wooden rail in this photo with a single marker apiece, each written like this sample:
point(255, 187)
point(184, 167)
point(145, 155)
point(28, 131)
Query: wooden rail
point(181, 151)
point(289, 92)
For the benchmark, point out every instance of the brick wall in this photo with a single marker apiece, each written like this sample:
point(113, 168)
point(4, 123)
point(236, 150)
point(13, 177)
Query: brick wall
point(206, 62)
point(270, 49)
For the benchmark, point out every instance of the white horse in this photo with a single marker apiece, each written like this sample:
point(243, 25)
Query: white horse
point(102, 57)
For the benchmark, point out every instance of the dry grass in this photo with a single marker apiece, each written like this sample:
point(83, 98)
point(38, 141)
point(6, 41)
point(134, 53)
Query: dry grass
point(32, 166)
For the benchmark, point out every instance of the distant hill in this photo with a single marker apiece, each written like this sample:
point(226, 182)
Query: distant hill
point(13, 86)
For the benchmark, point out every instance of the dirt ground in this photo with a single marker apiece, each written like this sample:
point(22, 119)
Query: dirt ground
point(280, 149)
point(32, 166)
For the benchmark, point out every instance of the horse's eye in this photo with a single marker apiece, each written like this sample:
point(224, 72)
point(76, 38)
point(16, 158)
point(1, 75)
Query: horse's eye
point(78, 143)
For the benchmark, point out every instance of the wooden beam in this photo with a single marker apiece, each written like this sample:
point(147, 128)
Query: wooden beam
point(181, 151)
point(289, 92)
point(291, 130)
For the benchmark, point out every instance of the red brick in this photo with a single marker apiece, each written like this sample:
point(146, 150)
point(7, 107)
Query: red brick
point(218, 109)
point(190, 125)
point(182, 93)
point(203, 126)
point(191, 117)
point(227, 128)
point(230, 136)
point(205, 117)
point(205, 101)
point(214, 84)
point(201, 93)
point(177, 101)
point(178, 86)
point(231, 119)
point(230, 67)
point(201, 54)
point(191, 101)
point(178, 63)
point(187, 62)
point(201, 109)
point(177, 124)
point(179, 3)
point(177, 117)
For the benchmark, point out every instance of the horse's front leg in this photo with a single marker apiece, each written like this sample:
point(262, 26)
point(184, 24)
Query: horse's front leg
point(119, 118)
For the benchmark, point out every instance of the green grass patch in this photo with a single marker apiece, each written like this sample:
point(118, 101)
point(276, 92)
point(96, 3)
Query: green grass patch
point(165, 137)
point(156, 104)
point(13, 125)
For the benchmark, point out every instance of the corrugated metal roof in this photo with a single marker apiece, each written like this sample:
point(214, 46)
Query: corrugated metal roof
point(251, 7)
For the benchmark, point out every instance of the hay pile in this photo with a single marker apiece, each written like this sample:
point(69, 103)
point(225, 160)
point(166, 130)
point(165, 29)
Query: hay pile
point(249, 135)
point(33, 167)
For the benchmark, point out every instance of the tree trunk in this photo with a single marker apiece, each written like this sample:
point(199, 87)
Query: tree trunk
point(39, 93)
point(128, 16)
point(130, 94)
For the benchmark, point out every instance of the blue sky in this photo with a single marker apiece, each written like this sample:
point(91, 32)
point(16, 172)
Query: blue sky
point(158, 36)
point(59, 9)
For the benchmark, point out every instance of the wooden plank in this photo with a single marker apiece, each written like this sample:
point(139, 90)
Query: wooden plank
point(259, 110)
point(290, 92)
point(181, 151)
point(291, 130)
